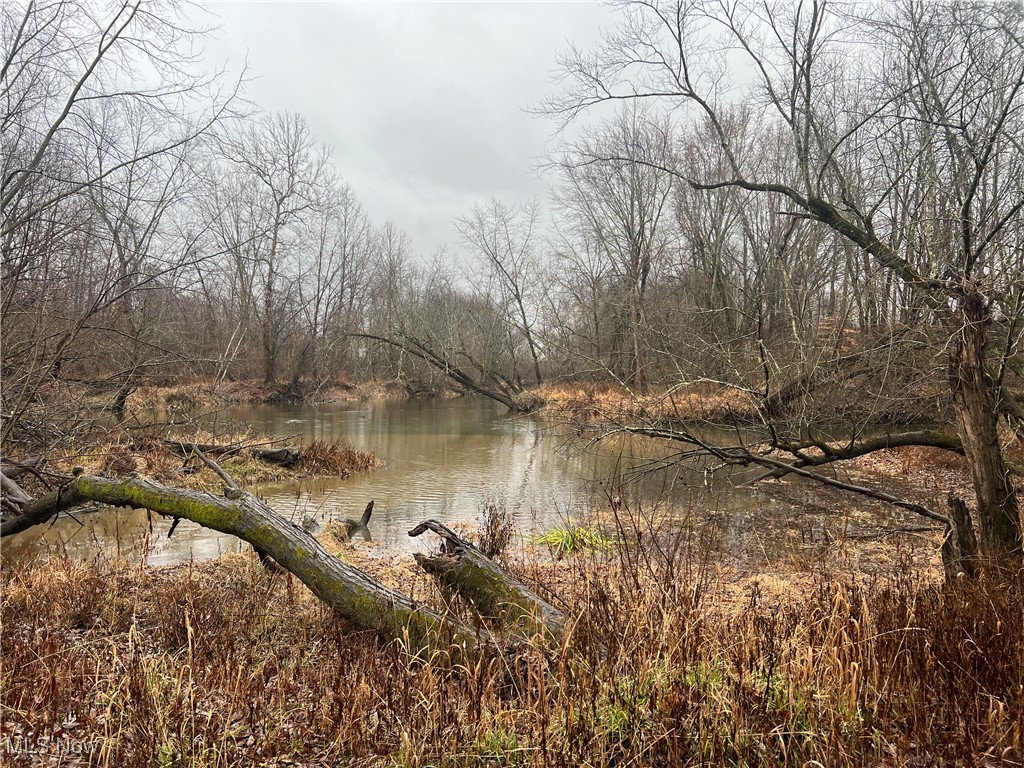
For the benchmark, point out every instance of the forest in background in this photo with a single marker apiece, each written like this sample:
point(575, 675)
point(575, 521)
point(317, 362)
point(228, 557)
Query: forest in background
point(783, 235)
point(802, 217)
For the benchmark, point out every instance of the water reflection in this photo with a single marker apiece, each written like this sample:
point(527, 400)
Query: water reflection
point(443, 458)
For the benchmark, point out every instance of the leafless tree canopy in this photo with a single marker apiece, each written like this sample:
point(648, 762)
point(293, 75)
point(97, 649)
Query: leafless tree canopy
point(802, 217)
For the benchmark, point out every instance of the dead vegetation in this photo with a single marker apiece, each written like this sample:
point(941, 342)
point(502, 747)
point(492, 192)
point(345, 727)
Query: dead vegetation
point(151, 456)
point(204, 394)
point(606, 402)
point(662, 664)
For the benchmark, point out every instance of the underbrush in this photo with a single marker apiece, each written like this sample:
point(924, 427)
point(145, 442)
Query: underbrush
point(223, 664)
point(599, 402)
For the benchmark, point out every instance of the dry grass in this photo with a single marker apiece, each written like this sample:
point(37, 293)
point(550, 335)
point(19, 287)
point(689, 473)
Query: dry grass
point(221, 664)
point(335, 457)
point(149, 457)
point(601, 402)
point(202, 395)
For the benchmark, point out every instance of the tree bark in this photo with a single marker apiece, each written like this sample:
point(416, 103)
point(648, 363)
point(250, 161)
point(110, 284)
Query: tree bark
point(975, 404)
point(960, 547)
point(494, 593)
point(352, 594)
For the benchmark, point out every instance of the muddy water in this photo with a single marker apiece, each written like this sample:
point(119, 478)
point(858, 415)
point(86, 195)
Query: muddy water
point(444, 458)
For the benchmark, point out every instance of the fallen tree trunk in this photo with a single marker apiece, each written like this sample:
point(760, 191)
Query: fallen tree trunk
point(13, 497)
point(513, 397)
point(464, 569)
point(15, 469)
point(285, 456)
point(352, 594)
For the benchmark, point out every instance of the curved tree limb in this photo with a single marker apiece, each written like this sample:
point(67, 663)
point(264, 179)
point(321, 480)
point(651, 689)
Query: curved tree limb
point(738, 455)
point(832, 452)
point(424, 352)
point(352, 594)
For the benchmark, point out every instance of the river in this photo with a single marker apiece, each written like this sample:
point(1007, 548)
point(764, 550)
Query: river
point(444, 458)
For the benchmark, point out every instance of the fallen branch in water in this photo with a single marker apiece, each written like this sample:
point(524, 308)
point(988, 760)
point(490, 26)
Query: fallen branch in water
point(352, 594)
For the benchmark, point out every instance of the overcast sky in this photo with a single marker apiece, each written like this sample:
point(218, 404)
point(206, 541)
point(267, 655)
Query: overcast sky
point(422, 103)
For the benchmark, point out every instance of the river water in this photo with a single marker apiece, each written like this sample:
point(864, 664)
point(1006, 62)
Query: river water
point(444, 458)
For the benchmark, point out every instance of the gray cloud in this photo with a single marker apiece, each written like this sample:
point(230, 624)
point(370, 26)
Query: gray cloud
point(422, 103)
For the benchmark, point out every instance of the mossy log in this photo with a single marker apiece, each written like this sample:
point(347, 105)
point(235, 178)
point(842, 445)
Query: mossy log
point(352, 594)
point(495, 594)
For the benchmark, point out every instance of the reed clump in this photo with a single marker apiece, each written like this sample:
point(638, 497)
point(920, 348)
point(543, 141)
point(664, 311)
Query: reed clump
point(335, 457)
point(221, 664)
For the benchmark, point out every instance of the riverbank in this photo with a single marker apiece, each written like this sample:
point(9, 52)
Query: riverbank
point(250, 459)
point(206, 395)
point(590, 403)
point(668, 663)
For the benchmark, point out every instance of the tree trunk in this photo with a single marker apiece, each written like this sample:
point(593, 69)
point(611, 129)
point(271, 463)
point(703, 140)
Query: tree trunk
point(352, 594)
point(285, 456)
point(975, 405)
point(960, 547)
point(269, 340)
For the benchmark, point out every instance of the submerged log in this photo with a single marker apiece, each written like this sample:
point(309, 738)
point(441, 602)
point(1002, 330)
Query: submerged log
point(352, 594)
point(464, 569)
point(348, 528)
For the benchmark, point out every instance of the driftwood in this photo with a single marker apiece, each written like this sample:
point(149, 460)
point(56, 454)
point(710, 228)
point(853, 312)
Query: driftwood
point(286, 456)
point(464, 569)
point(14, 498)
point(352, 594)
point(348, 528)
point(15, 469)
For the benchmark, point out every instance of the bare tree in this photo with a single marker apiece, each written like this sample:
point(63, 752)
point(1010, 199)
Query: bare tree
point(332, 291)
point(60, 58)
point(905, 133)
point(621, 206)
point(282, 178)
point(100, 109)
point(504, 238)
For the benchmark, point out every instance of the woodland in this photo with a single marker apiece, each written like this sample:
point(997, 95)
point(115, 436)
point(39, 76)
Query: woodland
point(797, 224)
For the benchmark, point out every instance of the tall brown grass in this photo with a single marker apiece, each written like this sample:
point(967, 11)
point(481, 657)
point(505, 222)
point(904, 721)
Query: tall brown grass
point(221, 664)
point(335, 457)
